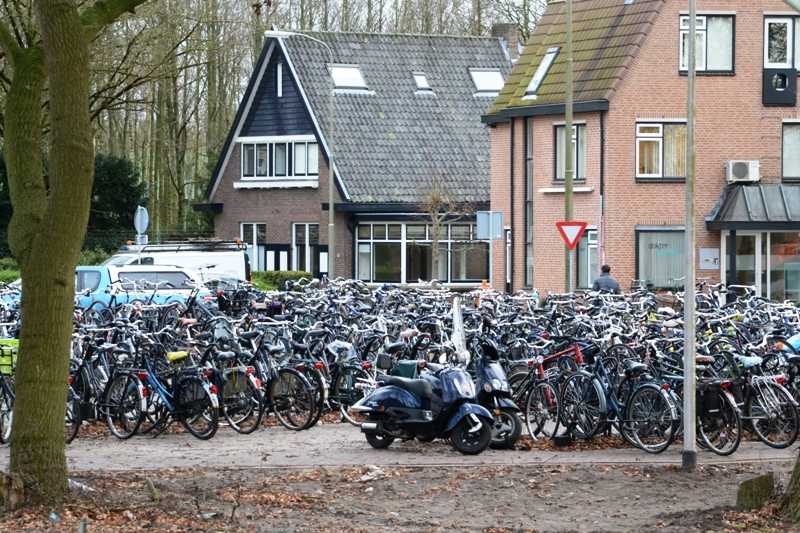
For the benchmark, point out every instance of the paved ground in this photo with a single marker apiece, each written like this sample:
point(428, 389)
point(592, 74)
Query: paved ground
point(336, 445)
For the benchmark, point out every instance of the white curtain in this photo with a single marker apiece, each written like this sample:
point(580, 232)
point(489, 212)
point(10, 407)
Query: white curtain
point(720, 43)
point(791, 151)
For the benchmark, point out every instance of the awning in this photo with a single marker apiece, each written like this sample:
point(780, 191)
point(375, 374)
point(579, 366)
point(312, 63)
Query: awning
point(762, 207)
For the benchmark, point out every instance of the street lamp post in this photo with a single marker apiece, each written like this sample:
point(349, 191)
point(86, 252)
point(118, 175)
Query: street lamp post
point(280, 34)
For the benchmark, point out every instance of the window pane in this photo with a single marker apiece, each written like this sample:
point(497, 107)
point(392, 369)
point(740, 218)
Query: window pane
point(247, 233)
point(459, 232)
point(364, 262)
point(675, 150)
point(661, 258)
point(487, 80)
point(778, 42)
point(560, 153)
point(580, 162)
point(387, 262)
point(261, 234)
point(313, 234)
point(313, 159)
point(300, 159)
point(280, 159)
point(583, 263)
point(363, 232)
point(469, 261)
point(262, 159)
point(348, 77)
point(379, 231)
point(418, 262)
point(720, 43)
point(248, 159)
point(649, 157)
point(415, 232)
point(699, 53)
point(542, 70)
point(785, 266)
point(791, 150)
point(299, 233)
point(395, 232)
point(648, 129)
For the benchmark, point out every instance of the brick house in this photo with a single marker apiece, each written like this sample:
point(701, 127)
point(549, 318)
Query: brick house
point(630, 116)
point(407, 114)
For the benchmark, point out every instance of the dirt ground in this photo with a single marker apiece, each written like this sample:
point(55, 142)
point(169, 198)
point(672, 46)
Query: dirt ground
point(434, 498)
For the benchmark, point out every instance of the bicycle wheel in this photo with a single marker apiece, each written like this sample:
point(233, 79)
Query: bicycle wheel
point(320, 391)
point(346, 393)
point(582, 405)
point(72, 417)
point(6, 409)
point(773, 415)
point(242, 402)
point(541, 410)
point(292, 399)
point(197, 411)
point(123, 406)
point(651, 420)
point(719, 425)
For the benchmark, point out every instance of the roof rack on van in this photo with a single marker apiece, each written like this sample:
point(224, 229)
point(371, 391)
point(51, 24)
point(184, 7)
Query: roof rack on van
point(205, 245)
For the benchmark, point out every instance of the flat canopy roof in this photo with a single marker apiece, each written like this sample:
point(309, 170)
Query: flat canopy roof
point(771, 206)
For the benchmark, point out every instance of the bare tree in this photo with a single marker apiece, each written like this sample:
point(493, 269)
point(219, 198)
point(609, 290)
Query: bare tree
point(442, 209)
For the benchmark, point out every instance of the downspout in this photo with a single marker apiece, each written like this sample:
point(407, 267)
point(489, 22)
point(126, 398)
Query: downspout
point(602, 188)
point(511, 222)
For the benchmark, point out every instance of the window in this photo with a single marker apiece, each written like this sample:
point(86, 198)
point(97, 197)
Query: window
point(588, 266)
point(661, 150)
point(279, 160)
point(528, 203)
point(305, 248)
point(279, 80)
point(87, 280)
point(422, 82)
point(791, 151)
point(348, 77)
point(578, 152)
point(459, 258)
point(714, 43)
point(255, 237)
point(160, 280)
point(779, 37)
point(488, 81)
point(660, 261)
point(541, 71)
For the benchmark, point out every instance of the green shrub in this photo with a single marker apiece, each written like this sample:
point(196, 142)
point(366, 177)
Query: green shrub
point(8, 263)
point(93, 257)
point(7, 276)
point(276, 280)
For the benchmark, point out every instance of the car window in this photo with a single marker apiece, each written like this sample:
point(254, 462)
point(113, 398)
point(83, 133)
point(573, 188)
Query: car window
point(118, 260)
point(87, 279)
point(173, 280)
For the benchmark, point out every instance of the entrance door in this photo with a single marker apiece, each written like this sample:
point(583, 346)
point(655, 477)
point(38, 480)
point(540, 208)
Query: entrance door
point(750, 261)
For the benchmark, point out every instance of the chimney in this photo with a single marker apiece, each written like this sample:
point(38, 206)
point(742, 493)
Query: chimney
point(508, 33)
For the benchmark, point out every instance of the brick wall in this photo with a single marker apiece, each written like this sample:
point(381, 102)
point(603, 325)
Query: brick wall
point(731, 124)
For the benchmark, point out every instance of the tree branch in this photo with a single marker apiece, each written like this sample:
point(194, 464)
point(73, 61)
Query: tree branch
point(8, 41)
point(105, 12)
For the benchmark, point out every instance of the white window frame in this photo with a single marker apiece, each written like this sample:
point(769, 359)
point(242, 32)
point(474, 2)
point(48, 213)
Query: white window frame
point(421, 81)
point(307, 246)
point(541, 71)
point(576, 148)
point(478, 82)
point(790, 41)
point(359, 83)
point(784, 125)
point(702, 32)
point(312, 147)
point(255, 259)
point(650, 137)
point(592, 245)
point(279, 77)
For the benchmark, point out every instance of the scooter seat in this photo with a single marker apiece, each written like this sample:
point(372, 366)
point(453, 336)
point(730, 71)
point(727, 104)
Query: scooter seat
point(417, 387)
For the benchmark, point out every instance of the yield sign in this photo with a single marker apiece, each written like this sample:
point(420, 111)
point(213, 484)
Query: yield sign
point(571, 232)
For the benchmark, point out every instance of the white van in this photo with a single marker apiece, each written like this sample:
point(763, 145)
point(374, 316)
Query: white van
point(210, 259)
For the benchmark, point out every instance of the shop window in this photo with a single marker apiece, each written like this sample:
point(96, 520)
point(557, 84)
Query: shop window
point(660, 258)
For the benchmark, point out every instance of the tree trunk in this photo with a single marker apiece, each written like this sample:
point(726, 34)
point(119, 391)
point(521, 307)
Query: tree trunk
point(791, 504)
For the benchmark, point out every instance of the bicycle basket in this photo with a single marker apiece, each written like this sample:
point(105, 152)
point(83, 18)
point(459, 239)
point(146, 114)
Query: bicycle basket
point(236, 381)
point(191, 397)
point(8, 356)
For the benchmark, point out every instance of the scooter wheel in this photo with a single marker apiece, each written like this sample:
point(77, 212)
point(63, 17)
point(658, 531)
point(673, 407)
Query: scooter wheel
point(506, 431)
point(470, 440)
point(379, 441)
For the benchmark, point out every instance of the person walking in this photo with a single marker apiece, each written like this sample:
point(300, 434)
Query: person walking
point(606, 283)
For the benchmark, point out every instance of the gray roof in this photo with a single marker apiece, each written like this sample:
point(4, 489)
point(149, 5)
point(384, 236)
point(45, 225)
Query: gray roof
point(757, 207)
point(389, 144)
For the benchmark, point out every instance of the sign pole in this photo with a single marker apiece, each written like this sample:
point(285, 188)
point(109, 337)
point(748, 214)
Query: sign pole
point(689, 455)
point(569, 167)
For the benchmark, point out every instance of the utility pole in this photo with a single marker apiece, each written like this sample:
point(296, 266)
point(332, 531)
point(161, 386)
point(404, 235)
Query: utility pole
point(689, 455)
point(569, 167)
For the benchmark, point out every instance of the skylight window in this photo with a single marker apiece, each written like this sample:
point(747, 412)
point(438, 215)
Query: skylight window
point(422, 81)
point(348, 77)
point(488, 81)
point(541, 72)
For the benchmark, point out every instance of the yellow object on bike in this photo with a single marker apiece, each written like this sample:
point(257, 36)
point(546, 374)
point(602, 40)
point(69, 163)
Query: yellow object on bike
point(172, 357)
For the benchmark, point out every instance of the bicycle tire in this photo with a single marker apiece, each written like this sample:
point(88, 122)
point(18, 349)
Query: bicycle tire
point(719, 424)
point(123, 406)
point(346, 392)
point(651, 421)
point(290, 394)
point(196, 405)
point(582, 405)
point(787, 411)
point(242, 402)
point(541, 408)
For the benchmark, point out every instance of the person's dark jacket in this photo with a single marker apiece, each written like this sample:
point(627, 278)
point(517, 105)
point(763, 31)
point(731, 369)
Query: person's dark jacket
point(606, 283)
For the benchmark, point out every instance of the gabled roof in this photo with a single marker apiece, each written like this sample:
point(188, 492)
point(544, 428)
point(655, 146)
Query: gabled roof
point(756, 207)
point(389, 143)
point(607, 35)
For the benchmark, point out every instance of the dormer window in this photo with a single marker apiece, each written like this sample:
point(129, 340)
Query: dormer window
point(421, 81)
point(348, 77)
point(542, 70)
point(488, 81)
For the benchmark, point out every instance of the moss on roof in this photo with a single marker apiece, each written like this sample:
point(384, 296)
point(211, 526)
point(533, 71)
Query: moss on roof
point(607, 35)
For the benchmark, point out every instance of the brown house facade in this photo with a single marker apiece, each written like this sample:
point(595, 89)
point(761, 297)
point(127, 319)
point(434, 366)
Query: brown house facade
point(630, 145)
point(406, 115)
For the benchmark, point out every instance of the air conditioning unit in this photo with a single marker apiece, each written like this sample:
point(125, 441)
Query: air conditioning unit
point(743, 171)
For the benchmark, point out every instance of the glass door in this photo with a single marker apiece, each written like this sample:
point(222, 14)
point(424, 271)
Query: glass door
point(750, 261)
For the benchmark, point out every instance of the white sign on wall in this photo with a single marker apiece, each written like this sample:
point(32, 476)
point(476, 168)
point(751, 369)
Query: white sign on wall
point(709, 258)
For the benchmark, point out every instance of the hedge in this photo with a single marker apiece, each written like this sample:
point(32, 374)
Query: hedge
point(8, 275)
point(277, 280)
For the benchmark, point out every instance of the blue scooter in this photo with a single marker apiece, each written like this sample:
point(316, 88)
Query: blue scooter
point(439, 405)
point(494, 393)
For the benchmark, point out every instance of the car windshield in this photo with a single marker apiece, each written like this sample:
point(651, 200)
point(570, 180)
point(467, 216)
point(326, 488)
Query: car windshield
point(118, 260)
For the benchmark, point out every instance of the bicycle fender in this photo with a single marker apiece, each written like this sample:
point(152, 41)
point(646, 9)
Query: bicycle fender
point(214, 399)
point(673, 410)
point(467, 409)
